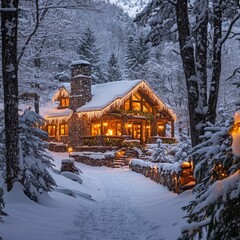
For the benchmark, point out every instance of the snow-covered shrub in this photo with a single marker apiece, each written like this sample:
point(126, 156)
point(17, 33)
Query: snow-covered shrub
point(182, 150)
point(34, 160)
point(160, 154)
point(216, 208)
point(179, 152)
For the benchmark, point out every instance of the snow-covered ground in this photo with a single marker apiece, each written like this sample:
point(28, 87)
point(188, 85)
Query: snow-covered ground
point(123, 205)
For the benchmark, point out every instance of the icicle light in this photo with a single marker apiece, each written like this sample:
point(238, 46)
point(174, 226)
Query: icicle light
point(58, 119)
point(118, 102)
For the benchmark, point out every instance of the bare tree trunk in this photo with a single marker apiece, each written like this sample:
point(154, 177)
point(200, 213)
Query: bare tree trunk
point(217, 53)
point(9, 21)
point(201, 41)
point(196, 115)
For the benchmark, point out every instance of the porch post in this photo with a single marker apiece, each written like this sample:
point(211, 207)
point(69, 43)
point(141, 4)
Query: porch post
point(101, 127)
point(172, 129)
point(154, 126)
point(124, 121)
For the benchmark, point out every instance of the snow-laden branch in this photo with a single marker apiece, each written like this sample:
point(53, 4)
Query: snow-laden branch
point(237, 70)
point(230, 29)
point(32, 34)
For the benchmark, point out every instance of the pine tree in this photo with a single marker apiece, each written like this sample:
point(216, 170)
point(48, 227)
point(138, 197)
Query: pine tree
point(114, 73)
point(216, 208)
point(34, 160)
point(136, 57)
point(89, 51)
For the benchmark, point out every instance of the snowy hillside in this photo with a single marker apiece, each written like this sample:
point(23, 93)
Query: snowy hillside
point(132, 7)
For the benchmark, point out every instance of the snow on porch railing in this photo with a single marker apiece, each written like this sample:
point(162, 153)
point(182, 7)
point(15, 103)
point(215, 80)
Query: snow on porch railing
point(177, 177)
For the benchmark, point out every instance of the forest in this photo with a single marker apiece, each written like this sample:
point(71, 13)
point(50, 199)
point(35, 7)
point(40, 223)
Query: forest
point(187, 51)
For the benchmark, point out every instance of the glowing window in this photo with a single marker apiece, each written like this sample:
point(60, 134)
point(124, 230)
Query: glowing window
point(63, 129)
point(146, 107)
point(127, 105)
point(161, 129)
point(96, 129)
point(51, 129)
point(136, 106)
point(136, 97)
point(148, 130)
point(64, 102)
point(119, 129)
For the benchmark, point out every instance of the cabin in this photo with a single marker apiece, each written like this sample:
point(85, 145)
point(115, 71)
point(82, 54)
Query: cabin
point(106, 114)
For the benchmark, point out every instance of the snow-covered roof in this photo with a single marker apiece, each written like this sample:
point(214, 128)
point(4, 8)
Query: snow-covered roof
point(106, 93)
point(109, 95)
point(80, 62)
point(51, 110)
point(113, 94)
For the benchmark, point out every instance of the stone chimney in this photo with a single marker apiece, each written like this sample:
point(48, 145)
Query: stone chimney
point(80, 84)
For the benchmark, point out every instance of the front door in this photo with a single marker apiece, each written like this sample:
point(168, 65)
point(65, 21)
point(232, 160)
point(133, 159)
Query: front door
point(137, 131)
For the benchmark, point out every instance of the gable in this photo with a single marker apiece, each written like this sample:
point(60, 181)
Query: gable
point(114, 94)
point(62, 92)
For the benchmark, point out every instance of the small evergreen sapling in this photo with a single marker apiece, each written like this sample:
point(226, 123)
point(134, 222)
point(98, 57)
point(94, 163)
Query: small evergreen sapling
point(34, 159)
point(159, 154)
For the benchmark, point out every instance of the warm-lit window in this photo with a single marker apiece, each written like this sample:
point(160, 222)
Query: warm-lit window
point(136, 106)
point(127, 105)
point(136, 102)
point(161, 129)
point(148, 130)
point(51, 129)
point(119, 129)
point(96, 129)
point(112, 128)
point(136, 97)
point(146, 107)
point(63, 129)
point(64, 102)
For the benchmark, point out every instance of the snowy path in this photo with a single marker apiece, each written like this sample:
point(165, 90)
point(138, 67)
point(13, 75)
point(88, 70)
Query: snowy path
point(124, 206)
point(126, 209)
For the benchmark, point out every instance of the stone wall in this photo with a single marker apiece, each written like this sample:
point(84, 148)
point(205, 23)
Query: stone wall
point(105, 161)
point(78, 127)
point(80, 85)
